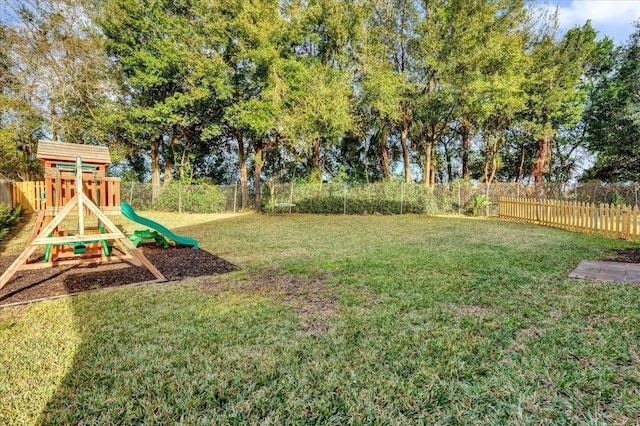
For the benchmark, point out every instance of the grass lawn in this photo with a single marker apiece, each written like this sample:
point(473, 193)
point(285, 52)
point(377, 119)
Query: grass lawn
point(339, 320)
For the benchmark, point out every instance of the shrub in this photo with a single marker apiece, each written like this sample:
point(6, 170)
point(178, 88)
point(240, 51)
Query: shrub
point(8, 217)
point(393, 197)
point(200, 198)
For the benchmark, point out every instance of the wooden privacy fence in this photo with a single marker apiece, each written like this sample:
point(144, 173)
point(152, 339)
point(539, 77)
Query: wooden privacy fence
point(29, 194)
point(32, 195)
point(5, 192)
point(606, 219)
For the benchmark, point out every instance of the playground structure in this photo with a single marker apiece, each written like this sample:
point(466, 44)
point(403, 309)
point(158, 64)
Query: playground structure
point(76, 185)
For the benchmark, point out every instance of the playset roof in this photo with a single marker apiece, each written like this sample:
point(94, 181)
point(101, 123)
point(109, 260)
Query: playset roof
point(62, 151)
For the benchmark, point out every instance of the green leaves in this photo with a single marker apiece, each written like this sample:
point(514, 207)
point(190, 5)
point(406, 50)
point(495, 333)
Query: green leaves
point(310, 82)
point(612, 125)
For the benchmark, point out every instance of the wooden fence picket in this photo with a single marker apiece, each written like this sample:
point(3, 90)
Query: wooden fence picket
point(613, 221)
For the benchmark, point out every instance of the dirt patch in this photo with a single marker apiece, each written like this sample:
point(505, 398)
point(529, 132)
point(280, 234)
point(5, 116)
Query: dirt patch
point(533, 331)
point(310, 296)
point(173, 262)
point(628, 255)
point(472, 310)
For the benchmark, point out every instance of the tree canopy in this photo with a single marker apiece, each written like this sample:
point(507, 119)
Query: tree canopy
point(235, 90)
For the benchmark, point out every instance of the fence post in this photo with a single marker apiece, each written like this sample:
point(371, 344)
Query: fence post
point(235, 196)
point(131, 194)
point(344, 204)
point(180, 197)
point(291, 195)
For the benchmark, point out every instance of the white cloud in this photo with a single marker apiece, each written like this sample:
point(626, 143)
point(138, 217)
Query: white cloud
point(601, 12)
point(613, 18)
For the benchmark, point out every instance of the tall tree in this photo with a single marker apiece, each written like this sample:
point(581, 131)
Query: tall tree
point(555, 95)
point(60, 57)
point(260, 71)
point(169, 76)
point(612, 120)
point(327, 32)
point(20, 122)
point(487, 39)
point(386, 68)
point(317, 121)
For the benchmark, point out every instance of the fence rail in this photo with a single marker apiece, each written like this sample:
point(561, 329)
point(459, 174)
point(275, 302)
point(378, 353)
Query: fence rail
point(614, 221)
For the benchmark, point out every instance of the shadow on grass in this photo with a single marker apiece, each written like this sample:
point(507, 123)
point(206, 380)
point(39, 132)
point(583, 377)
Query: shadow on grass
point(25, 221)
point(176, 354)
point(126, 361)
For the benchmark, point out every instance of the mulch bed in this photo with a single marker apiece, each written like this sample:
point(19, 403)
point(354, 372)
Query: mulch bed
point(173, 262)
point(629, 255)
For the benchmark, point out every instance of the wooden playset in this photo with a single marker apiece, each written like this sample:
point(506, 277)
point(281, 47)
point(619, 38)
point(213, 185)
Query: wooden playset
point(76, 185)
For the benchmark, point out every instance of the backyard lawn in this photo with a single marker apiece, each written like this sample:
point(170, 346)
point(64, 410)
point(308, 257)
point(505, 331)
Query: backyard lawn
point(338, 320)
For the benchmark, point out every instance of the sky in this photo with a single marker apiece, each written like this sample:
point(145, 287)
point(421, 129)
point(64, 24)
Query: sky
point(613, 18)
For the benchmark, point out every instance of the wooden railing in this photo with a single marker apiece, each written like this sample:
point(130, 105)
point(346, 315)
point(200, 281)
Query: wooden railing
point(608, 220)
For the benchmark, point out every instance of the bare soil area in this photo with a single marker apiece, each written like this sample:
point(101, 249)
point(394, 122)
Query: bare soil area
point(629, 255)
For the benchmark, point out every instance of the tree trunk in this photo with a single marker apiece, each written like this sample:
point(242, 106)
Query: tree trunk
point(433, 165)
point(257, 197)
point(384, 153)
point(465, 131)
point(384, 160)
point(428, 166)
point(316, 173)
point(155, 169)
point(54, 124)
point(520, 171)
point(541, 164)
point(447, 156)
point(242, 159)
point(168, 170)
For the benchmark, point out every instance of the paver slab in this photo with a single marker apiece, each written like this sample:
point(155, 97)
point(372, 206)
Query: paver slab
point(600, 270)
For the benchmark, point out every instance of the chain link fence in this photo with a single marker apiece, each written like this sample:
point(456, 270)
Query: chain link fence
point(178, 197)
point(393, 197)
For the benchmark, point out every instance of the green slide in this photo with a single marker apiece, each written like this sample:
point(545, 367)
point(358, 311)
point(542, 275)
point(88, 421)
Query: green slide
point(129, 213)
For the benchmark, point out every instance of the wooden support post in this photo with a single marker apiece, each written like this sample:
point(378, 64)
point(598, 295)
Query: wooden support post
point(36, 227)
point(80, 194)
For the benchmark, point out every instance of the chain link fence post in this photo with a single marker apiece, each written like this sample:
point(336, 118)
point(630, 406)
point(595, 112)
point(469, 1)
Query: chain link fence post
point(344, 204)
point(235, 197)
